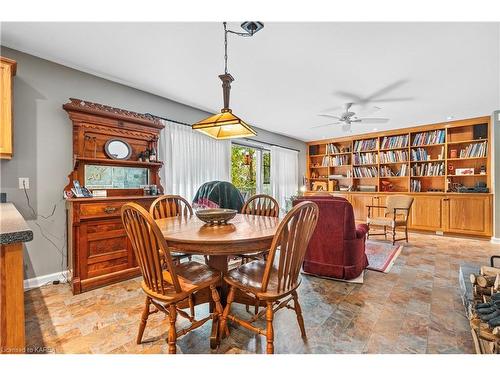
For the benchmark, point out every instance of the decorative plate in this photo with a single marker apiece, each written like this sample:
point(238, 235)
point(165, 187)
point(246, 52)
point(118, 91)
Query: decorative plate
point(216, 215)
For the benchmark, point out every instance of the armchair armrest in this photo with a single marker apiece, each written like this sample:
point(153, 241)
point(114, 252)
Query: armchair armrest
point(370, 206)
point(361, 230)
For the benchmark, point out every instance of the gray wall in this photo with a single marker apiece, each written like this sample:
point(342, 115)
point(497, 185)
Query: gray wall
point(43, 145)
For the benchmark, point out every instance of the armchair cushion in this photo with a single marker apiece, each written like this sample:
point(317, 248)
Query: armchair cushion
point(386, 221)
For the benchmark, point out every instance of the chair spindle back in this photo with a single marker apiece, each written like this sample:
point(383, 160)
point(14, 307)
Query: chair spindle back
point(292, 238)
point(262, 205)
point(170, 206)
point(147, 240)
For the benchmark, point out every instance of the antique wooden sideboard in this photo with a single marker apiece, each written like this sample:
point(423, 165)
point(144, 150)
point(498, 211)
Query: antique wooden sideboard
point(99, 252)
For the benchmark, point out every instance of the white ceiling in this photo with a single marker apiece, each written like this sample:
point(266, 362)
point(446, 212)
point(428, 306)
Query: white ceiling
point(289, 72)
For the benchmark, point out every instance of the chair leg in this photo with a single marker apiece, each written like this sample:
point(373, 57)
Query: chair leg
point(298, 311)
point(191, 305)
point(216, 299)
point(257, 303)
point(406, 233)
point(172, 333)
point(144, 319)
point(385, 231)
point(393, 235)
point(227, 308)
point(269, 328)
point(368, 232)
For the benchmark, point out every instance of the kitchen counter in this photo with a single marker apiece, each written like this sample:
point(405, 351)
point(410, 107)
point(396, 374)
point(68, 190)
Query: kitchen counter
point(13, 228)
point(13, 232)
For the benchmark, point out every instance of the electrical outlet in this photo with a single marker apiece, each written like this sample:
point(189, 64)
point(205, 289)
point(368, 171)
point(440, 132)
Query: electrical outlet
point(24, 182)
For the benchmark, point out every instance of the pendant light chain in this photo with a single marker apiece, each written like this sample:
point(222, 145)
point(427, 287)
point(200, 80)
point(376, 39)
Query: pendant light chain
point(225, 47)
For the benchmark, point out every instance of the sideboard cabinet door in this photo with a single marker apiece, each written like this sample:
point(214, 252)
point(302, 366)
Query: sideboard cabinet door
point(469, 214)
point(427, 213)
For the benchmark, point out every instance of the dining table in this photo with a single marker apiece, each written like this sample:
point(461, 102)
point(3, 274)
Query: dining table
point(219, 243)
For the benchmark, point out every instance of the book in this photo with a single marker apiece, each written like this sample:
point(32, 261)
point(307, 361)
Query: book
point(397, 141)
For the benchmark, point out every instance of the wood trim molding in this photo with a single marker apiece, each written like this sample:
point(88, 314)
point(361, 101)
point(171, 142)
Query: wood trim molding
point(80, 105)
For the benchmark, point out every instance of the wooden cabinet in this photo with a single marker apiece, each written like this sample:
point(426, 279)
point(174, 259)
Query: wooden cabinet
point(100, 252)
point(426, 213)
point(7, 72)
point(468, 214)
point(359, 203)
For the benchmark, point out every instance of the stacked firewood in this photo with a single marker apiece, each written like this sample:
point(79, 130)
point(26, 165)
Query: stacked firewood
point(485, 311)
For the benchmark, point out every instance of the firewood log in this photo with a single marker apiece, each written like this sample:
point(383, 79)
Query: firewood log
point(473, 279)
point(496, 331)
point(486, 281)
point(489, 271)
point(479, 291)
point(496, 283)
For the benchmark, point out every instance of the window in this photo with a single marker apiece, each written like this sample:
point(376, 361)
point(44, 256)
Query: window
point(251, 170)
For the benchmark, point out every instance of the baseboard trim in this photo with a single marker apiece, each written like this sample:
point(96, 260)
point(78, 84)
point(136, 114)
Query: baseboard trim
point(495, 240)
point(37, 282)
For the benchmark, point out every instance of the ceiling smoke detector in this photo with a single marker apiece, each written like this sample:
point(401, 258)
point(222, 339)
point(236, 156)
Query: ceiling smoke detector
point(252, 27)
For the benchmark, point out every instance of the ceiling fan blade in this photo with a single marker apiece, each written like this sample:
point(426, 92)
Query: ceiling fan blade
point(369, 111)
point(389, 100)
point(349, 95)
point(373, 120)
point(385, 90)
point(321, 126)
point(328, 115)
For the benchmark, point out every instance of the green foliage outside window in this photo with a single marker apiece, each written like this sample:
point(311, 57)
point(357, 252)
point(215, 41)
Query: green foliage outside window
point(243, 176)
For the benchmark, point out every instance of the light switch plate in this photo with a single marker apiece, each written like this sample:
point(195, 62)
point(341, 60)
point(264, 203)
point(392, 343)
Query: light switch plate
point(24, 182)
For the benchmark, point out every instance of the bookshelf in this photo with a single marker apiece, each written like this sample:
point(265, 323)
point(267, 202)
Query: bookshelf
point(421, 159)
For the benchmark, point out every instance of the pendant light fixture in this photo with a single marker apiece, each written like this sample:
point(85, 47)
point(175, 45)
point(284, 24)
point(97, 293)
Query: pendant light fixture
point(225, 125)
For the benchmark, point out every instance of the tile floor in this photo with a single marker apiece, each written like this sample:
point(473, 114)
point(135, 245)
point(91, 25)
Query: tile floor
point(415, 308)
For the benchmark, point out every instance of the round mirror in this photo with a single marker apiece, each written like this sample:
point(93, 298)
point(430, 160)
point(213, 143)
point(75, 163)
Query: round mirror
point(118, 149)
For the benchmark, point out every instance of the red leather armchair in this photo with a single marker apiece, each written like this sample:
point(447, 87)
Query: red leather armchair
point(337, 247)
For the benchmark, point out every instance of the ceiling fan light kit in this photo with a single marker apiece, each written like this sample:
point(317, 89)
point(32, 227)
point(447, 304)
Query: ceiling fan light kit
point(226, 125)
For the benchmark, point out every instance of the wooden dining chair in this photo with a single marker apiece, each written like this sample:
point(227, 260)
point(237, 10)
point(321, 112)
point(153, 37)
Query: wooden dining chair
point(171, 206)
point(261, 205)
point(275, 280)
point(167, 287)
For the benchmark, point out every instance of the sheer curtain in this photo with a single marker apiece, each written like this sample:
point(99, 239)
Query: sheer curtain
point(284, 174)
point(191, 159)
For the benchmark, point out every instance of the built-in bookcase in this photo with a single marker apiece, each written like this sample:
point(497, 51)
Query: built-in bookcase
point(418, 159)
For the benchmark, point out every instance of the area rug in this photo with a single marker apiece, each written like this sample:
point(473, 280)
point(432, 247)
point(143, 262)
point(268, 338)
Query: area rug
point(381, 255)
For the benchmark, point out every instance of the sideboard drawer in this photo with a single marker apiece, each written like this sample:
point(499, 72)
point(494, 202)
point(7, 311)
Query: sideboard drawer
point(101, 209)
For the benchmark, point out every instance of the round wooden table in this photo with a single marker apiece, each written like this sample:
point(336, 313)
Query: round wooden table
point(243, 234)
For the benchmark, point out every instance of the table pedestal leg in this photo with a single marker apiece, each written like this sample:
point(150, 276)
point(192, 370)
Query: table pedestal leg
point(220, 263)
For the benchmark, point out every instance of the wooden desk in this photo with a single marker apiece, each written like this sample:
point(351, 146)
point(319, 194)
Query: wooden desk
point(13, 232)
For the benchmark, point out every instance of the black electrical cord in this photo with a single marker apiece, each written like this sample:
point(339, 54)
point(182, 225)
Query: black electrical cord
point(60, 250)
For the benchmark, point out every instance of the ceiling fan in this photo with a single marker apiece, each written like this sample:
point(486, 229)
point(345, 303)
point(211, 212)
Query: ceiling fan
point(348, 117)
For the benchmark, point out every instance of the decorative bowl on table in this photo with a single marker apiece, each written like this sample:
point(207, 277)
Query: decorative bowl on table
point(216, 215)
